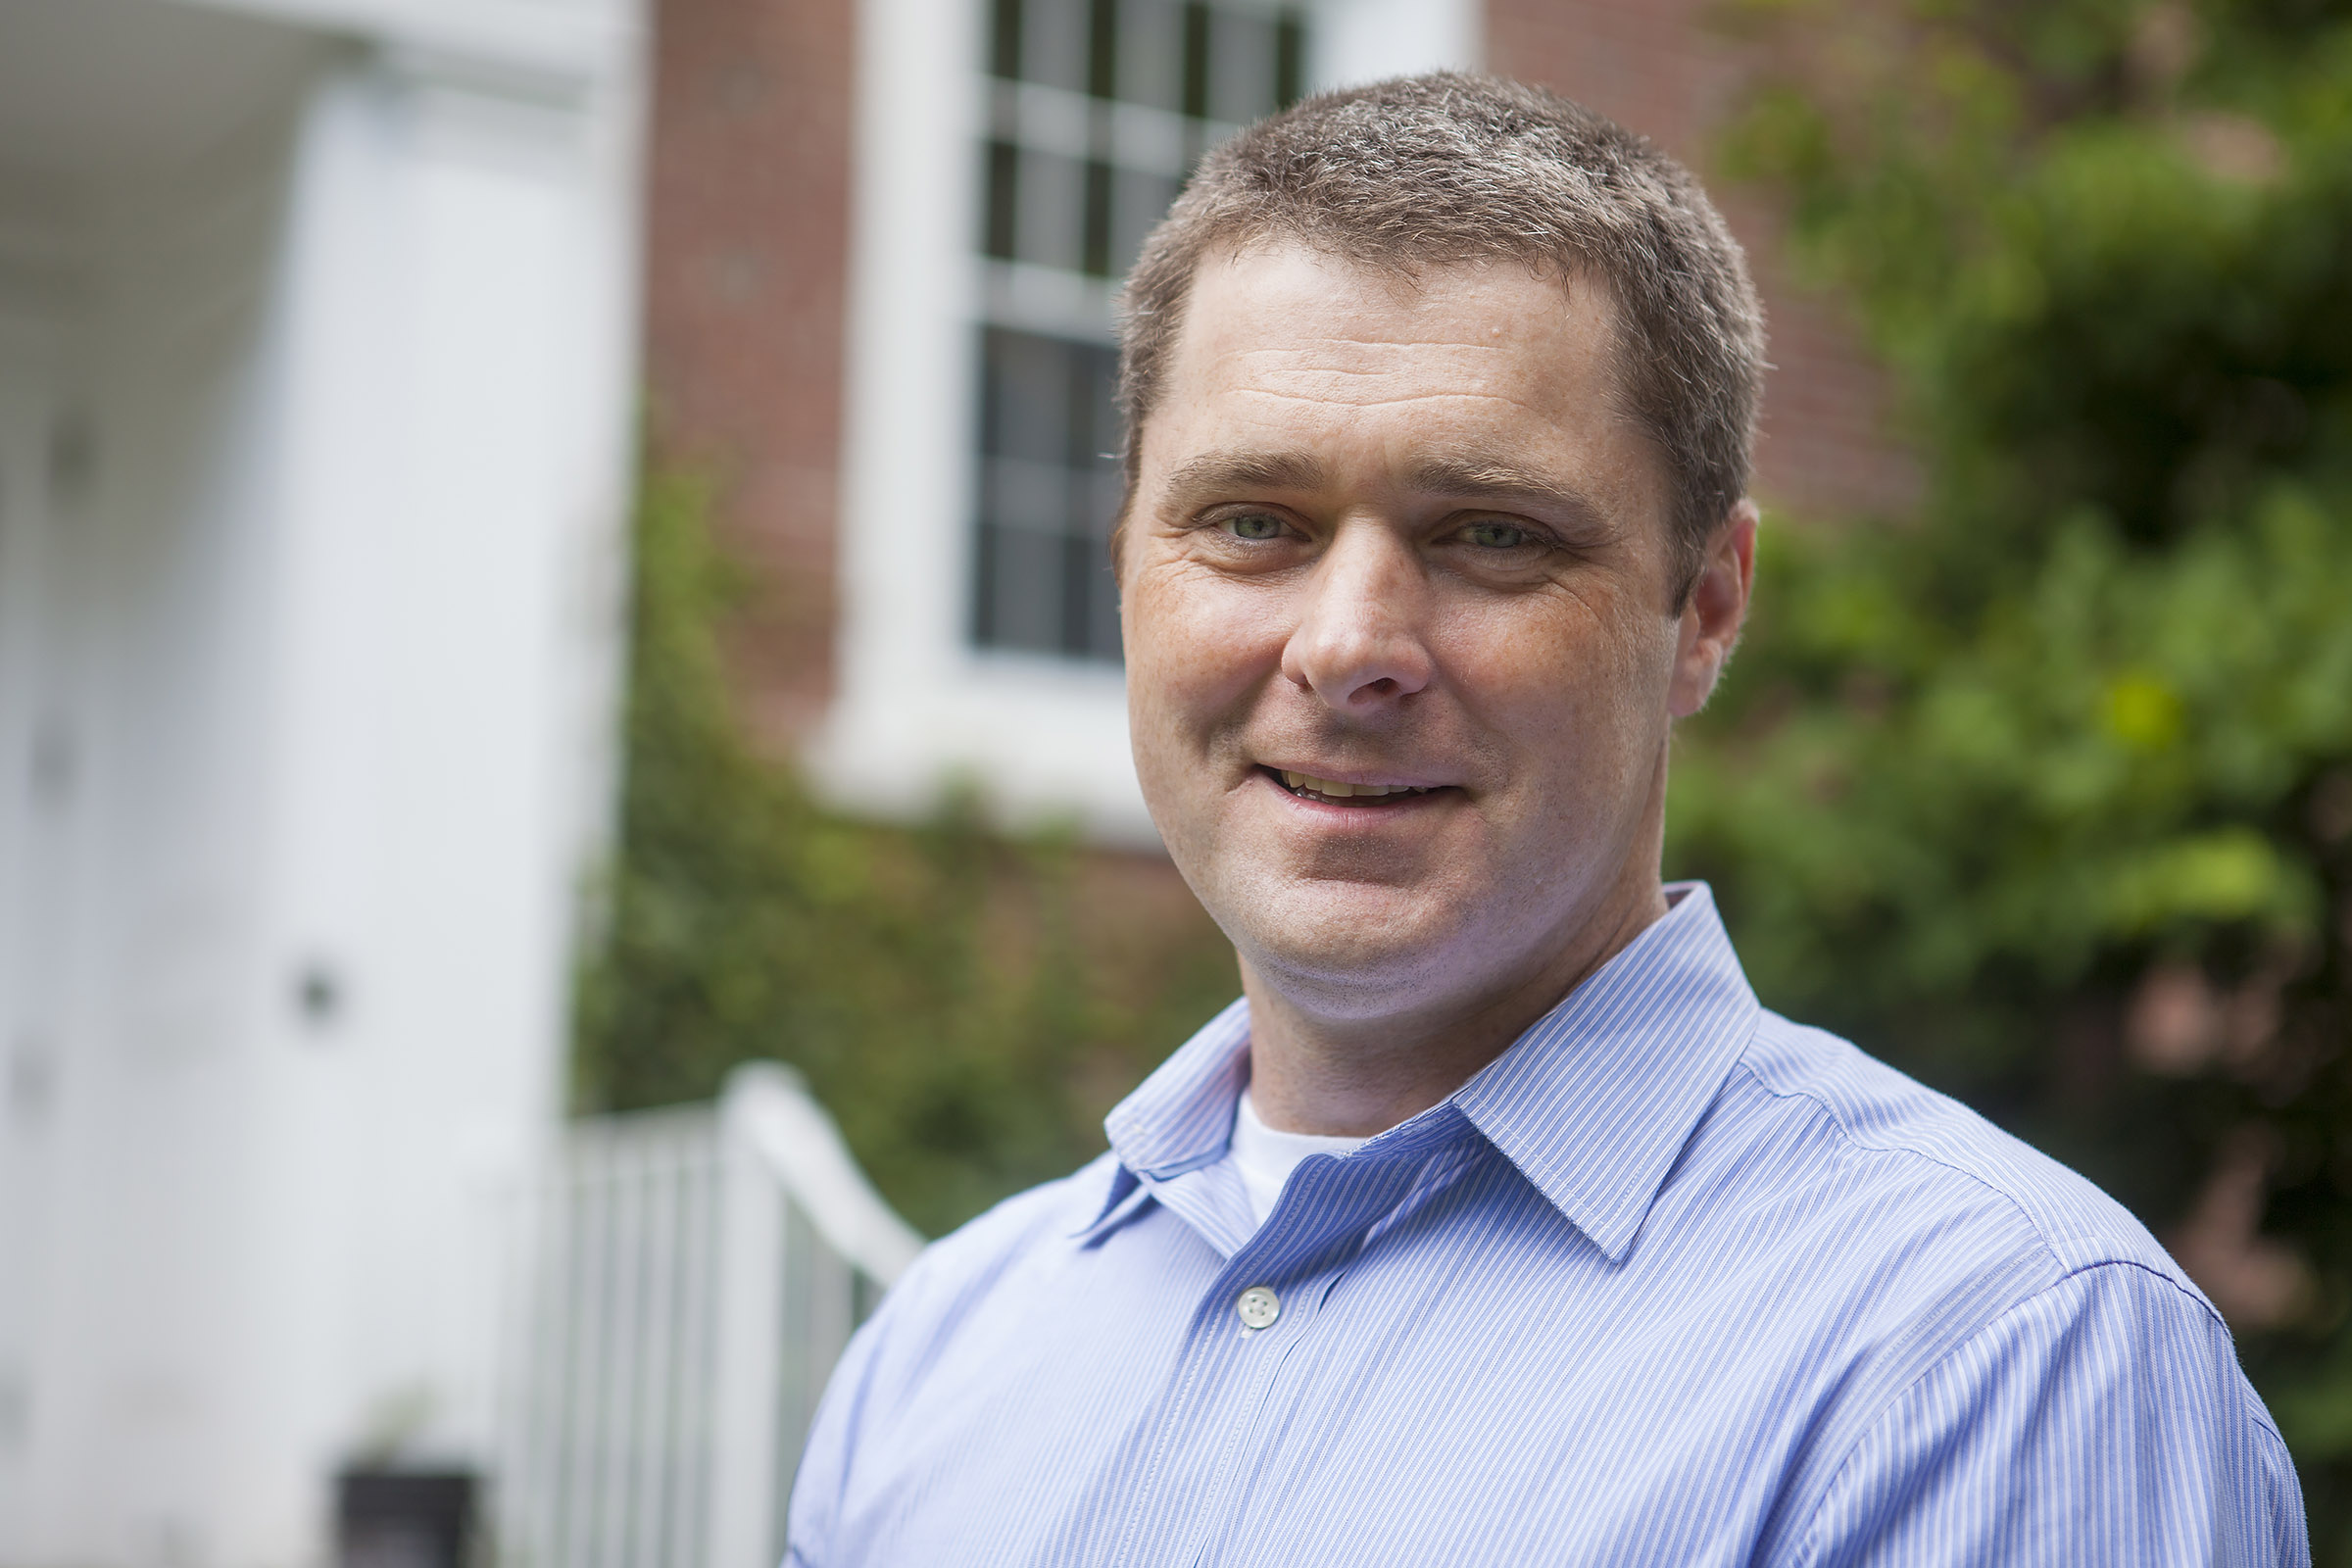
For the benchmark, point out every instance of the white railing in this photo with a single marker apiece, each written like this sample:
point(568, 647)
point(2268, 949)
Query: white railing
point(693, 1276)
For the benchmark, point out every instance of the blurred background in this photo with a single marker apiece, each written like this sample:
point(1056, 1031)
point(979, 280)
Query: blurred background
point(563, 793)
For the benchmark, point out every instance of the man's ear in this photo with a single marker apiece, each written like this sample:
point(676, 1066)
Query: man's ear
point(1715, 610)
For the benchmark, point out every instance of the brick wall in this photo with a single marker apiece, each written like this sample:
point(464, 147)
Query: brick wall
point(1656, 67)
point(748, 215)
point(748, 219)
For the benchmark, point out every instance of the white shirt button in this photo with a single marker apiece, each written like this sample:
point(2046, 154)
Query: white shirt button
point(1258, 1307)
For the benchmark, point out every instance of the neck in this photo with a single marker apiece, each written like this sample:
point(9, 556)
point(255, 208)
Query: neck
point(1355, 1076)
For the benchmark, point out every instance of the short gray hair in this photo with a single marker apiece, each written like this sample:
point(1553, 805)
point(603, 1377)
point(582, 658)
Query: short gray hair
point(1451, 168)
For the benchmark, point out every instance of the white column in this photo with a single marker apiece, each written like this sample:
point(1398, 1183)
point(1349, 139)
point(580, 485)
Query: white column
point(456, 447)
point(748, 1348)
point(337, 629)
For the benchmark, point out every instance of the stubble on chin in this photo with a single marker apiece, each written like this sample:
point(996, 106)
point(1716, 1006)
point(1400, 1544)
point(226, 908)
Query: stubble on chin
point(1347, 943)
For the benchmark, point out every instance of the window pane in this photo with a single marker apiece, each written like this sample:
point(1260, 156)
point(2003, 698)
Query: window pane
point(1241, 67)
point(1097, 631)
point(1050, 203)
point(1289, 62)
point(1025, 410)
point(1196, 59)
point(1004, 39)
point(1001, 237)
point(1090, 602)
point(1049, 493)
point(1076, 189)
point(1028, 495)
point(1053, 43)
point(1137, 202)
point(1099, 256)
point(1096, 396)
point(1102, 48)
point(1152, 53)
point(1020, 589)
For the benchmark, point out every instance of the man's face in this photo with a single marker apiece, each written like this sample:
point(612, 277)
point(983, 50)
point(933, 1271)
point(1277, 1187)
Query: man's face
point(1393, 536)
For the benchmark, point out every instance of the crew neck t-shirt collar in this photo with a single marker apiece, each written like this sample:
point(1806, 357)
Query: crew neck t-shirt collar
point(1592, 1104)
point(1264, 1159)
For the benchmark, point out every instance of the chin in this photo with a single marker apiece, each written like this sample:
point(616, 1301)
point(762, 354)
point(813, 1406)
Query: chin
point(1360, 941)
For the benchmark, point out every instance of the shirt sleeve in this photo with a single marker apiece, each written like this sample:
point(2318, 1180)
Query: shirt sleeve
point(816, 1488)
point(2102, 1421)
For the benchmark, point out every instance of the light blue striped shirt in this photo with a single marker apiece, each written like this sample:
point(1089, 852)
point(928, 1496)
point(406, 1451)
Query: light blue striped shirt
point(1673, 1281)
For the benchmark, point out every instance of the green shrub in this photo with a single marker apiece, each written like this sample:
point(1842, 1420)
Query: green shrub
point(2045, 792)
point(967, 1005)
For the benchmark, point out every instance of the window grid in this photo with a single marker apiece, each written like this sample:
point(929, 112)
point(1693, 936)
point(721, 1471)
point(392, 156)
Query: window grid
point(1097, 110)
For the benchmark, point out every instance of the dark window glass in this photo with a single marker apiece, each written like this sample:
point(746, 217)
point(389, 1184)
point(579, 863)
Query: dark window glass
point(1055, 46)
point(1195, 61)
point(1049, 495)
point(1073, 187)
point(1241, 67)
point(1002, 237)
point(1051, 212)
point(1139, 200)
point(1005, 40)
point(1102, 49)
point(1099, 182)
point(1150, 51)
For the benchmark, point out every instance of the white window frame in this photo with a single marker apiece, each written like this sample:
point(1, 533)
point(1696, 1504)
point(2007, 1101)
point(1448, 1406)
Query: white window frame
point(918, 708)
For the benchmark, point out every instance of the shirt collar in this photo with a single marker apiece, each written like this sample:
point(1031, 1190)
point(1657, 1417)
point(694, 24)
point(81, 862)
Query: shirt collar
point(1592, 1104)
point(1181, 1117)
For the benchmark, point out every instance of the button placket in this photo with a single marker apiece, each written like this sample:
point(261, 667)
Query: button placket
point(1258, 1307)
point(1299, 1257)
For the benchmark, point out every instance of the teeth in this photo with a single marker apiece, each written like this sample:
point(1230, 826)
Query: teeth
point(1337, 791)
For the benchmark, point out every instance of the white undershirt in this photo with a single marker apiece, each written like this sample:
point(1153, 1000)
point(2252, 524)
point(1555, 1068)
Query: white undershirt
point(1265, 1158)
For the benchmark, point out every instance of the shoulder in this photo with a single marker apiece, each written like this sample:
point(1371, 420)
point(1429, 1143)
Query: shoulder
point(2098, 1421)
point(2041, 1344)
point(947, 1287)
point(915, 1327)
point(969, 1259)
point(1890, 1129)
point(940, 1296)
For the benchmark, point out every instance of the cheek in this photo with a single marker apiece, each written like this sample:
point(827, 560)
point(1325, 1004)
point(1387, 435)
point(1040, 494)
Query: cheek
point(1582, 687)
point(1194, 645)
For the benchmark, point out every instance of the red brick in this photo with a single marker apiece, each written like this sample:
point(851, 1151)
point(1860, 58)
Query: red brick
point(747, 217)
point(1657, 66)
point(748, 212)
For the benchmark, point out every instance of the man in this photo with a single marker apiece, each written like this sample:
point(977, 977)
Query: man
point(1497, 1224)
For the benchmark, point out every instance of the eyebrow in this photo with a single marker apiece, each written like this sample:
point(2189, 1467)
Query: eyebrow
point(1474, 476)
point(1481, 477)
point(1248, 470)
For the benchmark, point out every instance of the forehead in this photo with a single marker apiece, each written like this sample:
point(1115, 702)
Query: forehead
point(1285, 343)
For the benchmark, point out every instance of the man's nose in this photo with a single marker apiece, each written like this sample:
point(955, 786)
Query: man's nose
point(1358, 642)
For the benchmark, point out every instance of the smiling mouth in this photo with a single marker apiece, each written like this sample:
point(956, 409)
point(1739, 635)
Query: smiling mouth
point(1332, 792)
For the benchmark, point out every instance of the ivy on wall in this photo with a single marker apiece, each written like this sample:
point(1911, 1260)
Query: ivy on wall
point(2044, 792)
point(967, 1005)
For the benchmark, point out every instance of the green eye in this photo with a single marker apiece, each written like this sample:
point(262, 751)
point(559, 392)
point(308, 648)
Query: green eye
point(1495, 535)
point(1255, 526)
